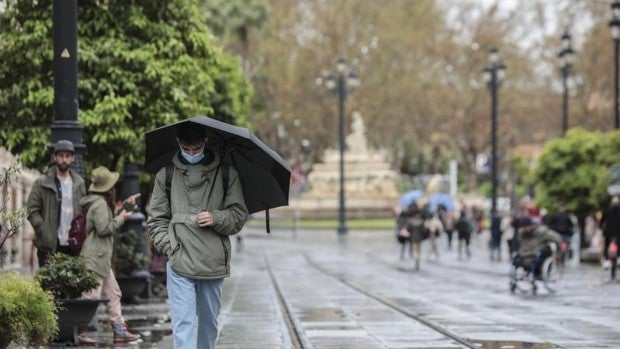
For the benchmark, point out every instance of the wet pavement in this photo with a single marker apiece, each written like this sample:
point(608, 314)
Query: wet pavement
point(308, 290)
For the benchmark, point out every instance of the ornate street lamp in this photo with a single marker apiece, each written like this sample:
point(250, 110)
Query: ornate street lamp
point(494, 75)
point(567, 57)
point(341, 84)
point(65, 125)
point(615, 34)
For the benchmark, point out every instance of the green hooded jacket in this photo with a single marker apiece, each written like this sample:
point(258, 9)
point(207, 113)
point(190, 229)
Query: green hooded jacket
point(193, 251)
point(530, 243)
point(101, 225)
point(43, 207)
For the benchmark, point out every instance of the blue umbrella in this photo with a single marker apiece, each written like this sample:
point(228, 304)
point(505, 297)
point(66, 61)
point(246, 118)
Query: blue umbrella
point(411, 196)
point(436, 199)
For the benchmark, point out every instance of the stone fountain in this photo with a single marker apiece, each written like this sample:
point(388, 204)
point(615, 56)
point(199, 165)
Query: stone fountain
point(370, 183)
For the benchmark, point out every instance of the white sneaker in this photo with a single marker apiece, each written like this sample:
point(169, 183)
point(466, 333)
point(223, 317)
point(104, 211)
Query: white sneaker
point(606, 264)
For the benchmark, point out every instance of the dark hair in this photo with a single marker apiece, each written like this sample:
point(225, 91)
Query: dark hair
point(190, 133)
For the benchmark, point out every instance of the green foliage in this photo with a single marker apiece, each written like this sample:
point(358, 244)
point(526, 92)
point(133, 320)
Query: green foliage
point(127, 256)
point(575, 170)
point(141, 65)
point(11, 221)
point(369, 223)
point(234, 16)
point(66, 277)
point(28, 312)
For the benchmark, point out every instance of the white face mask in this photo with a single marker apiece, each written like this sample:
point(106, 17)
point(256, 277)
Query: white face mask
point(193, 159)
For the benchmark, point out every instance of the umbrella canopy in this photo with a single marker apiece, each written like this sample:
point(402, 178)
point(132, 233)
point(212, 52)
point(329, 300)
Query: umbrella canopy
point(264, 175)
point(409, 197)
point(436, 199)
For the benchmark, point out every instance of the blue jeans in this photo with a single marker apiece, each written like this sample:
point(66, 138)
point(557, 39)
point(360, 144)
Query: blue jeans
point(194, 307)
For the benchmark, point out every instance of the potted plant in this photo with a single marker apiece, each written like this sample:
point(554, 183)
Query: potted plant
point(130, 266)
point(27, 311)
point(66, 277)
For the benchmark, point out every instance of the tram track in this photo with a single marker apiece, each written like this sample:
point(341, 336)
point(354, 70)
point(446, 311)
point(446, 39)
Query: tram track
point(298, 340)
point(399, 308)
point(295, 329)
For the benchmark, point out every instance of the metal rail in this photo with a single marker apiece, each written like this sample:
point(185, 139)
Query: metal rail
point(436, 327)
point(292, 324)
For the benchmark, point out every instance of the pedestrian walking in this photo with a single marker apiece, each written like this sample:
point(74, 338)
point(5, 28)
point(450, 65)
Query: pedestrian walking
point(411, 225)
point(101, 226)
point(191, 223)
point(562, 223)
point(610, 224)
point(495, 251)
point(53, 202)
point(447, 220)
point(435, 228)
point(464, 230)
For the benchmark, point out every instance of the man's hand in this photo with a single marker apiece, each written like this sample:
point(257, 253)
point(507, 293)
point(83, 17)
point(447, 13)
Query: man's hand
point(204, 219)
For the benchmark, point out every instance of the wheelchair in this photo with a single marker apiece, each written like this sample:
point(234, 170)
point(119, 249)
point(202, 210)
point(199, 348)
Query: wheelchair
point(524, 278)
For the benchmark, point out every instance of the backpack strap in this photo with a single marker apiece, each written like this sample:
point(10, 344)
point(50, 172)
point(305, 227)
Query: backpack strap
point(168, 187)
point(225, 175)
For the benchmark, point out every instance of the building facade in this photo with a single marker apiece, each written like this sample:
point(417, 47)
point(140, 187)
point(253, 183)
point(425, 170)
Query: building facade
point(17, 252)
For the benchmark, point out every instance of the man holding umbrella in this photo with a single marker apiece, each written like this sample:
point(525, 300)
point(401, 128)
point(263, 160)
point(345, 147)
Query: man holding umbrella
point(190, 223)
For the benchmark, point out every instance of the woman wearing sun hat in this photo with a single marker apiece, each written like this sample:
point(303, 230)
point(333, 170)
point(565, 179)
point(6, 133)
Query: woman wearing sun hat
point(101, 225)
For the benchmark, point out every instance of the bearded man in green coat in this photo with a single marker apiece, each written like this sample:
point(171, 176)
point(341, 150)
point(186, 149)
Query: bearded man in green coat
point(53, 202)
point(192, 228)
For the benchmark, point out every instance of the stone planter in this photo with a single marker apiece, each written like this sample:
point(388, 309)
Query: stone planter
point(73, 315)
point(4, 341)
point(134, 286)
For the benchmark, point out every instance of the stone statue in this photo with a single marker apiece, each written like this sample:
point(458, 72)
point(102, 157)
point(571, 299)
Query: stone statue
point(356, 141)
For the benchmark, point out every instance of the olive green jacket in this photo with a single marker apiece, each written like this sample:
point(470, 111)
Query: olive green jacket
point(101, 225)
point(532, 242)
point(43, 208)
point(193, 251)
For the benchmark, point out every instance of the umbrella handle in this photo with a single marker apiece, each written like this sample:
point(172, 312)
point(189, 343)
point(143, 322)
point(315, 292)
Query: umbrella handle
point(267, 221)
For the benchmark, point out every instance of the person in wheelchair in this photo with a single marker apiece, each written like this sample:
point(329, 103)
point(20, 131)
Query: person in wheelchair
point(533, 246)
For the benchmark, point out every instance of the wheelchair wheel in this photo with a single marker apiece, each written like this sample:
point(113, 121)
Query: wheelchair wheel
point(550, 273)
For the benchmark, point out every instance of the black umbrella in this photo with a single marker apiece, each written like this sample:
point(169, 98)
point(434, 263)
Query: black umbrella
point(264, 175)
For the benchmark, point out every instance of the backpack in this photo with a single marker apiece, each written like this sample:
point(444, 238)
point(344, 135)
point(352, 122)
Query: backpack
point(416, 227)
point(77, 232)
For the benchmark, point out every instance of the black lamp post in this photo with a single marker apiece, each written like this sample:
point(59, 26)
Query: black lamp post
point(344, 81)
point(65, 125)
point(494, 75)
point(615, 34)
point(567, 56)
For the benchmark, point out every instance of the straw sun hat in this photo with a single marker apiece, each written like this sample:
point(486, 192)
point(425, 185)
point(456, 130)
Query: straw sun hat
point(102, 180)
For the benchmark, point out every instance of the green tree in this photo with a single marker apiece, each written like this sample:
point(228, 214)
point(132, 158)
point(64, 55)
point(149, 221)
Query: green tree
point(236, 18)
point(575, 170)
point(141, 65)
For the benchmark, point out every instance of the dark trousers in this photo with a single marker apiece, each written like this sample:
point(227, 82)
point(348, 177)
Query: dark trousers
point(537, 261)
point(44, 257)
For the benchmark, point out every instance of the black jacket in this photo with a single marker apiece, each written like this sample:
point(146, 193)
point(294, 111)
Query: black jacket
point(610, 223)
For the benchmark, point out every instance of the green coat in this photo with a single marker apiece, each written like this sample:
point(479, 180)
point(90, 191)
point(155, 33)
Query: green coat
point(101, 225)
point(193, 251)
point(530, 243)
point(43, 208)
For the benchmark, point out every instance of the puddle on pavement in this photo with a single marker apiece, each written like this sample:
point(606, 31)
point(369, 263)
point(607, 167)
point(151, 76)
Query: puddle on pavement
point(512, 345)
